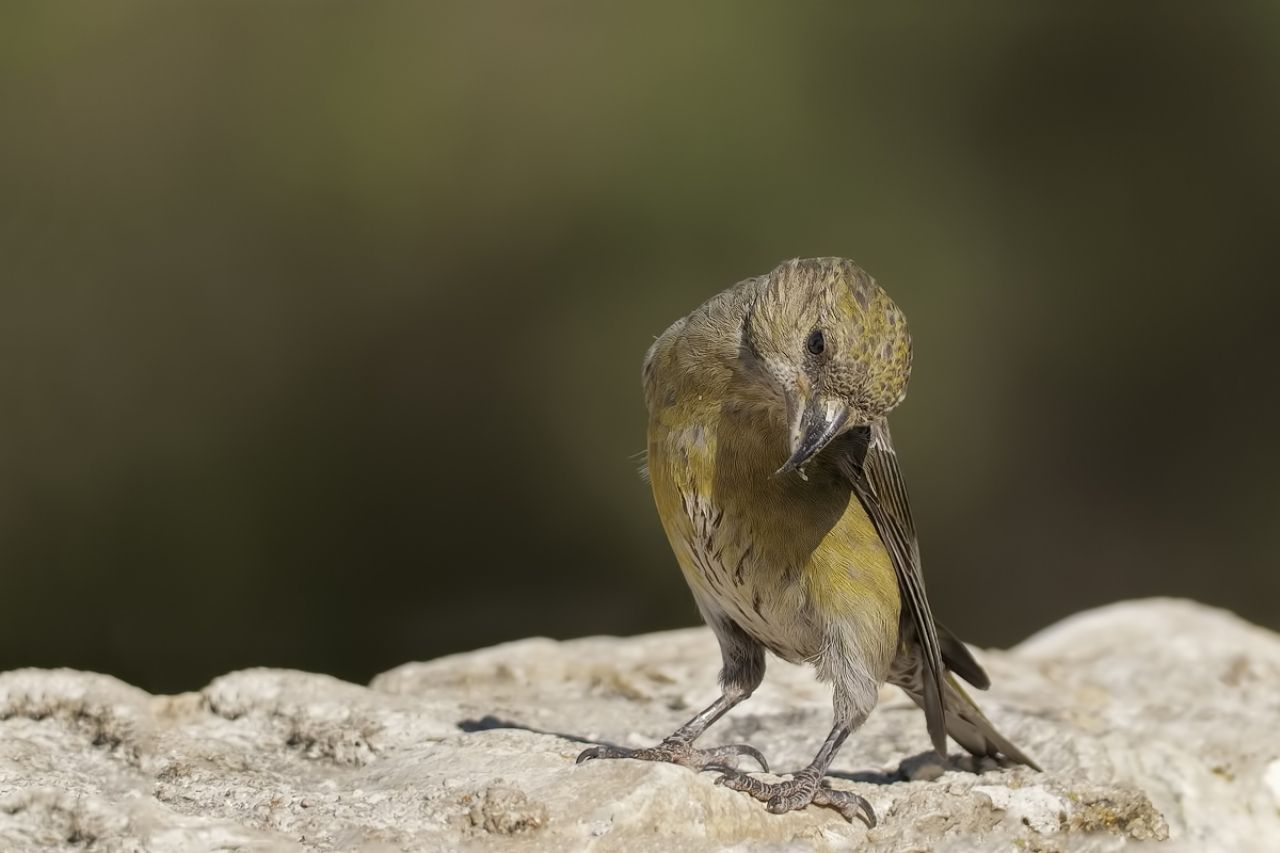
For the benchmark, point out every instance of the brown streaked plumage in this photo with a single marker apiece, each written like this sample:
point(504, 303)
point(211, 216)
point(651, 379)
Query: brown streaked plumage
point(776, 479)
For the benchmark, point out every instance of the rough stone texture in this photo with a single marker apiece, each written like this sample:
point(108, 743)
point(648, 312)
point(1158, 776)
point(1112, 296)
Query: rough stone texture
point(1154, 720)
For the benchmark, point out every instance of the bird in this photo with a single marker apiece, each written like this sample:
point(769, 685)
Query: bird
point(780, 491)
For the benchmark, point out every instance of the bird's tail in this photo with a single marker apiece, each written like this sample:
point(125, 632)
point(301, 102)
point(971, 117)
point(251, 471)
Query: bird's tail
point(969, 727)
point(966, 724)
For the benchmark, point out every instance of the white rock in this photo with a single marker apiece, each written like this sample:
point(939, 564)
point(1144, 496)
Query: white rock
point(1154, 719)
point(1032, 806)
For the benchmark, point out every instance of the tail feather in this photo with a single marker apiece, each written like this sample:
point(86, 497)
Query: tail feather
point(965, 723)
point(956, 656)
point(969, 727)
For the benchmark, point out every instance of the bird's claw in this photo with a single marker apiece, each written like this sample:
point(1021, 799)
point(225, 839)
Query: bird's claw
point(802, 789)
point(681, 752)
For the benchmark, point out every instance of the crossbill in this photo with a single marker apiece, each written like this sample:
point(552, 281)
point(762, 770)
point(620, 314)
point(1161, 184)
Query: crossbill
point(777, 483)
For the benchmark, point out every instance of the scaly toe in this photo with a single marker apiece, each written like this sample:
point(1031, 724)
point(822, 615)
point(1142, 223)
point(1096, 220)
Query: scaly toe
point(602, 751)
point(781, 803)
point(738, 781)
point(679, 752)
point(800, 791)
point(849, 804)
point(730, 753)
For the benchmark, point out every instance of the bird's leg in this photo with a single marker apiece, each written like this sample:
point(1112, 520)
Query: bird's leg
point(742, 673)
point(809, 784)
point(678, 748)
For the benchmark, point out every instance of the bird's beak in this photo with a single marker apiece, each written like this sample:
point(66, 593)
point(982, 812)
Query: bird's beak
point(818, 422)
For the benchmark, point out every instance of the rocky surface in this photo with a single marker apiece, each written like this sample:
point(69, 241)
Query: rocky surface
point(1156, 721)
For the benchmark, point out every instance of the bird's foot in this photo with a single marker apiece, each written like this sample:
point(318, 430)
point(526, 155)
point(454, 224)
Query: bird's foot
point(807, 786)
point(677, 751)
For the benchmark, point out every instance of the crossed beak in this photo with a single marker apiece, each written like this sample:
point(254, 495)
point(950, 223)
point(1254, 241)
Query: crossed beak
point(814, 425)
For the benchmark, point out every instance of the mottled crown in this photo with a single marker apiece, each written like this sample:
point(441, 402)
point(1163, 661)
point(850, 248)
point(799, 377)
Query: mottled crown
point(867, 354)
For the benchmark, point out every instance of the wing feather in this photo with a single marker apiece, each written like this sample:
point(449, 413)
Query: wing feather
point(872, 467)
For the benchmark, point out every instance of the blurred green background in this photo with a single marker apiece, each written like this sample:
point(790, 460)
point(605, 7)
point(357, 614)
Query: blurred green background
point(321, 323)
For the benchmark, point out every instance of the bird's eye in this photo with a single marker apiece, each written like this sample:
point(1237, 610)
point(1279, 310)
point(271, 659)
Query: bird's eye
point(816, 343)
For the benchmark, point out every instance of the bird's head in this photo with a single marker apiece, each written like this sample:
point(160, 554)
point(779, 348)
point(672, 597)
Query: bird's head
point(832, 347)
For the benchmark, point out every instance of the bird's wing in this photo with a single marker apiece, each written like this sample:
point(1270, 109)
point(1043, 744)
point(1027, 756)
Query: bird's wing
point(872, 466)
point(957, 658)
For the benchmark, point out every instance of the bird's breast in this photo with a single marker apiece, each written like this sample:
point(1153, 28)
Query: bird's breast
point(773, 553)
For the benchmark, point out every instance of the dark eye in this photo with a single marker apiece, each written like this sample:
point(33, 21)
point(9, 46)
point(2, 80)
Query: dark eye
point(816, 343)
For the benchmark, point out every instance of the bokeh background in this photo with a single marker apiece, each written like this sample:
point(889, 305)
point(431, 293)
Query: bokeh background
point(321, 323)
